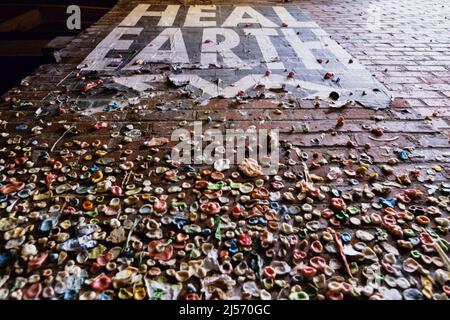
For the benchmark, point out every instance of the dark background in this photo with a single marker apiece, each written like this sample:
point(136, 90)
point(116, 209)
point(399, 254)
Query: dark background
point(27, 27)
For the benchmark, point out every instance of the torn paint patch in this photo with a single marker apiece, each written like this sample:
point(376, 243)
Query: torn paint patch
point(139, 82)
point(307, 89)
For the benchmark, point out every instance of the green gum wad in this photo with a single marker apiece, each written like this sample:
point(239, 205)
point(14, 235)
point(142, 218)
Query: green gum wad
point(158, 293)
point(311, 290)
point(268, 283)
point(193, 252)
point(303, 233)
point(95, 252)
point(442, 229)
point(342, 216)
point(299, 296)
point(216, 186)
point(218, 221)
point(409, 233)
point(353, 211)
point(235, 185)
point(91, 214)
point(415, 254)
point(179, 204)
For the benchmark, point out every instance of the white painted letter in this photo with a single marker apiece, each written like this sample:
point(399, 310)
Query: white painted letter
point(237, 16)
point(302, 50)
point(152, 52)
point(211, 48)
point(268, 50)
point(167, 16)
point(97, 60)
point(195, 13)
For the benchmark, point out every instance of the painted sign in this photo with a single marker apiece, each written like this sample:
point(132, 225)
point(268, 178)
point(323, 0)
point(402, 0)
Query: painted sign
point(226, 50)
